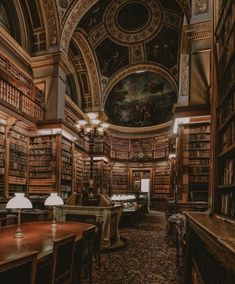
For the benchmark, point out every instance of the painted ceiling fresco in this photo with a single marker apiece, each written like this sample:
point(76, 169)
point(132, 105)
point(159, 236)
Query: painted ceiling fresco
point(141, 99)
point(127, 33)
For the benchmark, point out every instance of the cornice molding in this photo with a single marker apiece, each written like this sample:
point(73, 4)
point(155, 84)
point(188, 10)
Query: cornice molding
point(12, 45)
point(138, 132)
point(193, 32)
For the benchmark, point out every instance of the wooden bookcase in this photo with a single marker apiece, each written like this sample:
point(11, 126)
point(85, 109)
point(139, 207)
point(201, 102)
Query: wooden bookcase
point(2, 157)
point(66, 166)
point(161, 191)
point(18, 162)
point(193, 161)
point(78, 170)
point(120, 178)
point(225, 31)
point(42, 164)
point(51, 165)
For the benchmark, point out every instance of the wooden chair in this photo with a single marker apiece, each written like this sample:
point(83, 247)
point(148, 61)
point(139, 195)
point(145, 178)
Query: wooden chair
point(19, 270)
point(84, 255)
point(62, 261)
point(98, 239)
point(59, 268)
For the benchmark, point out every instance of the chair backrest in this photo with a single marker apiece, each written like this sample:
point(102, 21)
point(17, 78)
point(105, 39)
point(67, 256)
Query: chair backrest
point(86, 249)
point(20, 270)
point(62, 259)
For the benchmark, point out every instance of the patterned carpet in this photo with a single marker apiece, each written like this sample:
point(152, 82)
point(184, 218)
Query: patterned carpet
point(147, 259)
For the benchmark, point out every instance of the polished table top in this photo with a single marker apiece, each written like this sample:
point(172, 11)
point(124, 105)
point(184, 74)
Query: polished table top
point(38, 236)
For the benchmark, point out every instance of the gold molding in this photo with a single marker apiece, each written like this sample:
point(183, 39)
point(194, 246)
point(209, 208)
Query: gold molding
point(194, 32)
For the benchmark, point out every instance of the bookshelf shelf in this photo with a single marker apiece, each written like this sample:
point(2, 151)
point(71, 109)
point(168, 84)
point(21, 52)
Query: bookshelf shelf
point(225, 136)
point(18, 163)
point(193, 161)
point(42, 164)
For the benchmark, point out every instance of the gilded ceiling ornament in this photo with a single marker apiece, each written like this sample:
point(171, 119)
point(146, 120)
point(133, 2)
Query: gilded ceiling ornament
point(126, 29)
point(73, 19)
point(51, 21)
point(91, 68)
point(201, 7)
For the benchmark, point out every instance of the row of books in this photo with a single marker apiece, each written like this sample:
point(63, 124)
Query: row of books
point(199, 170)
point(228, 136)
point(198, 137)
point(41, 145)
point(194, 129)
point(197, 145)
point(42, 139)
point(199, 178)
point(227, 81)
point(47, 168)
point(227, 108)
point(41, 175)
point(9, 94)
point(44, 163)
point(229, 172)
point(200, 162)
point(228, 204)
point(226, 54)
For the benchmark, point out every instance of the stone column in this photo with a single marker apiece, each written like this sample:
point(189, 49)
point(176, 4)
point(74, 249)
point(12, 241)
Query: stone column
point(50, 75)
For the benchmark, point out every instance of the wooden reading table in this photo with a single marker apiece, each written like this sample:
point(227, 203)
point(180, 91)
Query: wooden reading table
point(38, 236)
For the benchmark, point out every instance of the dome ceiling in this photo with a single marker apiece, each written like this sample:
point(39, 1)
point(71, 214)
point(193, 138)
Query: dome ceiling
point(144, 34)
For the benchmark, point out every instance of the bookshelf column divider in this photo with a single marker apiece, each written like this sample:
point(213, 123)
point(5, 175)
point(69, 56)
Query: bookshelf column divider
point(7, 162)
point(58, 142)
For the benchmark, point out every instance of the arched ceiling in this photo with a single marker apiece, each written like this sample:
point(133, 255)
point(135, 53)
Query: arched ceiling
point(125, 37)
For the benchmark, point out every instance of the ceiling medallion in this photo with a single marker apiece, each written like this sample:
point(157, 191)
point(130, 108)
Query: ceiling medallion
point(133, 21)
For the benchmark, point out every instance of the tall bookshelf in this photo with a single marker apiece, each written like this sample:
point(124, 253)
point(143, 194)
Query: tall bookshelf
point(161, 185)
point(66, 167)
point(193, 161)
point(18, 163)
point(78, 170)
point(42, 164)
point(225, 32)
point(120, 178)
point(2, 157)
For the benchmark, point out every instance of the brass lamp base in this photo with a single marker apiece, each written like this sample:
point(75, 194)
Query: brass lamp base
point(18, 234)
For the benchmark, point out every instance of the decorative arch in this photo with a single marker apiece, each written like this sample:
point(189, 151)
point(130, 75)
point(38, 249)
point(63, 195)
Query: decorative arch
point(72, 20)
point(91, 68)
point(51, 21)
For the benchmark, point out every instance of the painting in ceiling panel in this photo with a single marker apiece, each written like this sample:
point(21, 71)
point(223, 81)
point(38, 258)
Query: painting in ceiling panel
point(94, 17)
point(141, 99)
point(129, 33)
point(163, 49)
point(111, 57)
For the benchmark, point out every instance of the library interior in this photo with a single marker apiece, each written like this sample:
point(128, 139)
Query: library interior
point(117, 141)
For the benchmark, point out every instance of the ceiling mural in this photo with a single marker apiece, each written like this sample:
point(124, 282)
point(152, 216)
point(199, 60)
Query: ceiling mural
point(126, 33)
point(141, 99)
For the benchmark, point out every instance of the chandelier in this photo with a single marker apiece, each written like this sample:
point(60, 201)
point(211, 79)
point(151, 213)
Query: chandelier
point(91, 128)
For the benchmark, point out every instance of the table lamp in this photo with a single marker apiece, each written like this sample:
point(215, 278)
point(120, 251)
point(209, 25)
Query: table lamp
point(53, 200)
point(19, 201)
